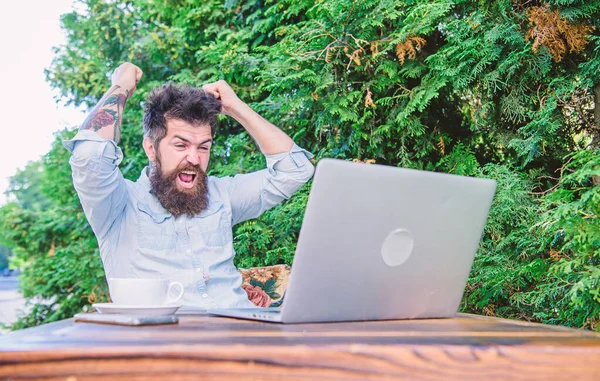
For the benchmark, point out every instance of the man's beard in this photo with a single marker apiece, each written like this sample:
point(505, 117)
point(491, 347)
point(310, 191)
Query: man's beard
point(179, 201)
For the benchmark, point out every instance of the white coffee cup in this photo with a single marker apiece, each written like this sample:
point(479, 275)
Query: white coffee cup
point(143, 291)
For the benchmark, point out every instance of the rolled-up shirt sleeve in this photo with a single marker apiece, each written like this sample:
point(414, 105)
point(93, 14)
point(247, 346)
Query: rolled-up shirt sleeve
point(252, 194)
point(97, 179)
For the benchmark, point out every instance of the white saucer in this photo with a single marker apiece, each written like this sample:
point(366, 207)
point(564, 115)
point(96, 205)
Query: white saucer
point(112, 308)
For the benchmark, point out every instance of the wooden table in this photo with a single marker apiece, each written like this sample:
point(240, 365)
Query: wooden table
point(467, 347)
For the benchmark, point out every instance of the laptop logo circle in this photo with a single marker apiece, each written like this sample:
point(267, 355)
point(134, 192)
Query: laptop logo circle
point(397, 247)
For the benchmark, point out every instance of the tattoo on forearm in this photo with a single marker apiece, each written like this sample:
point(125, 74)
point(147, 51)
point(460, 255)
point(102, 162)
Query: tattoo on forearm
point(108, 112)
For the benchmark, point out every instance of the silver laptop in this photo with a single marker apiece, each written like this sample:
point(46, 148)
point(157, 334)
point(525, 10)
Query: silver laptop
point(379, 242)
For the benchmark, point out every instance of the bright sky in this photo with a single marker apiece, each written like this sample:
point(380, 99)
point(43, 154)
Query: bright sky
point(28, 112)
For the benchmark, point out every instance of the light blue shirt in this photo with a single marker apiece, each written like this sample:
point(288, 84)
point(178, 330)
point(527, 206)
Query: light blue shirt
point(138, 238)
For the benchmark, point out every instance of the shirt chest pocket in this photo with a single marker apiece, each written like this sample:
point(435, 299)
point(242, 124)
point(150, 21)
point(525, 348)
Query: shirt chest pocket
point(155, 230)
point(214, 226)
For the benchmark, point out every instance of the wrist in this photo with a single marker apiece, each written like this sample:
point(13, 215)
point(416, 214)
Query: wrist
point(237, 110)
point(121, 88)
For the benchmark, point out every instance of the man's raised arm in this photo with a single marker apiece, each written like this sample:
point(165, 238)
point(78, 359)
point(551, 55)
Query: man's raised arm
point(270, 139)
point(96, 156)
point(288, 166)
point(105, 119)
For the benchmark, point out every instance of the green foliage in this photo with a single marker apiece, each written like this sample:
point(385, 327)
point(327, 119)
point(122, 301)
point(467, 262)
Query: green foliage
point(571, 213)
point(24, 187)
point(539, 259)
point(508, 260)
point(452, 86)
point(54, 247)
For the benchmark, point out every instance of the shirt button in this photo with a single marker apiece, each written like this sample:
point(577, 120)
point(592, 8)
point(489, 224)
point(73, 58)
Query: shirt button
point(198, 269)
point(188, 251)
point(205, 295)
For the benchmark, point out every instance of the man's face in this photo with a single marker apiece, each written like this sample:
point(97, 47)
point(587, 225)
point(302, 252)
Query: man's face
point(178, 179)
point(184, 144)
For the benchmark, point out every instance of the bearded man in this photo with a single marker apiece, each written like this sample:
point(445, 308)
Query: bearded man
point(175, 222)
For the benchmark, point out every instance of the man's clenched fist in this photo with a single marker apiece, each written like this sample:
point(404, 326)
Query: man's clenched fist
point(127, 75)
point(223, 92)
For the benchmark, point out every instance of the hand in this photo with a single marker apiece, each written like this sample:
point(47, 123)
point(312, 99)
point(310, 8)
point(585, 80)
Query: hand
point(127, 75)
point(221, 90)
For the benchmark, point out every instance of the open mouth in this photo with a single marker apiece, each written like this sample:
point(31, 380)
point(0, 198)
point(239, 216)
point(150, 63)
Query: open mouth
point(187, 179)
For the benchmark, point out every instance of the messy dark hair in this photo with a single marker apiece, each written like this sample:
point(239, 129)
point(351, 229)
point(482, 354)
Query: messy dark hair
point(172, 101)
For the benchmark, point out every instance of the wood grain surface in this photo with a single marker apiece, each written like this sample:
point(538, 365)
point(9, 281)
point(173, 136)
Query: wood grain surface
point(467, 347)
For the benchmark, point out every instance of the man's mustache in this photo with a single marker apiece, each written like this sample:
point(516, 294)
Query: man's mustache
point(188, 167)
